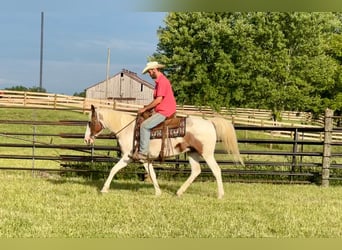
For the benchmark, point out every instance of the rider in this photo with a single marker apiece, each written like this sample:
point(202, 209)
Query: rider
point(163, 105)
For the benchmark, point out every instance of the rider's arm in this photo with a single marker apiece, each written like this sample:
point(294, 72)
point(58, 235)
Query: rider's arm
point(154, 103)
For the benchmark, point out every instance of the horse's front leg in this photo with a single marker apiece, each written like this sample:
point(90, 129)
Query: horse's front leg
point(117, 167)
point(150, 170)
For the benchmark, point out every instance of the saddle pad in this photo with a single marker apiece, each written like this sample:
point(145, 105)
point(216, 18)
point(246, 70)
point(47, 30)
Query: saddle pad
point(173, 132)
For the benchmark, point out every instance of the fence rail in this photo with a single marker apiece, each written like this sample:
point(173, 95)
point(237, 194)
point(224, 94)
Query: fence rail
point(238, 116)
point(9, 98)
point(297, 135)
point(292, 163)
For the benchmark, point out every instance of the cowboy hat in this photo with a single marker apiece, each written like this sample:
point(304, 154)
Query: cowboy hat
point(152, 65)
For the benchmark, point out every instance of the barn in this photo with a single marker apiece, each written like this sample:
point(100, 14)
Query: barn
point(125, 86)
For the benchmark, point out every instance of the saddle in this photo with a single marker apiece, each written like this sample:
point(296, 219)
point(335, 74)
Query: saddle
point(171, 127)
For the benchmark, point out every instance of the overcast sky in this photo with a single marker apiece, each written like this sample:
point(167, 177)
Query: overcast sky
point(77, 36)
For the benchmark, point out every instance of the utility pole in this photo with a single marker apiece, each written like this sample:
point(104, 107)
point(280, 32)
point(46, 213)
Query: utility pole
point(107, 72)
point(41, 52)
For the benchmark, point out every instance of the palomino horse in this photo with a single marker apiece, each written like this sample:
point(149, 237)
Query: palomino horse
point(199, 141)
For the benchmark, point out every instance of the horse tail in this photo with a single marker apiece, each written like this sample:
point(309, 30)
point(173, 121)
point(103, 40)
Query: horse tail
point(226, 133)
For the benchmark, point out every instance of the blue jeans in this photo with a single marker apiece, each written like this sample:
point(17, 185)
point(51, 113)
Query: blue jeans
point(145, 131)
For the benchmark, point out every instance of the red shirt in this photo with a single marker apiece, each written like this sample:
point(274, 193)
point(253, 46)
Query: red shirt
point(163, 88)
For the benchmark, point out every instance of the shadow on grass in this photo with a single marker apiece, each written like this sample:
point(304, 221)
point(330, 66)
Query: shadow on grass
point(118, 184)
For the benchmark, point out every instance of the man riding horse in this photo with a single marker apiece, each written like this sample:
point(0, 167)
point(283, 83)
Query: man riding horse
point(163, 107)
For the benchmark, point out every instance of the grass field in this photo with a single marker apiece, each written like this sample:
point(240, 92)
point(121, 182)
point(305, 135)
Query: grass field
point(37, 115)
point(48, 205)
point(45, 206)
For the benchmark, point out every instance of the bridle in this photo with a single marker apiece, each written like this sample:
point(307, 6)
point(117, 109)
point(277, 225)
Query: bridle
point(96, 127)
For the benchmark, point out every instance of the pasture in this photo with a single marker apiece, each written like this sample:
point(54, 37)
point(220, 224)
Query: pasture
point(266, 155)
point(49, 206)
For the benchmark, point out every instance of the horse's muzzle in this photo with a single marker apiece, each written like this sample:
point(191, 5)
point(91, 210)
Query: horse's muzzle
point(89, 140)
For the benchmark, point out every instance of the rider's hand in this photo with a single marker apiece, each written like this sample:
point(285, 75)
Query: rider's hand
point(142, 110)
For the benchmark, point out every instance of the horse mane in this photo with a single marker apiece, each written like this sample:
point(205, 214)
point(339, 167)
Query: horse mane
point(114, 119)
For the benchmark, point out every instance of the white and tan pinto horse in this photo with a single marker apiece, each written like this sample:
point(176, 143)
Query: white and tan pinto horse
point(199, 141)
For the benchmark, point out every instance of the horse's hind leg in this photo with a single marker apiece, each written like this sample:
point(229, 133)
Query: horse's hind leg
point(212, 163)
point(194, 159)
point(120, 165)
point(150, 170)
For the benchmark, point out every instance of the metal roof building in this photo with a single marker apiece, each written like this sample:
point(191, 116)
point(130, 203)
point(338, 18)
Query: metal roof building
point(124, 86)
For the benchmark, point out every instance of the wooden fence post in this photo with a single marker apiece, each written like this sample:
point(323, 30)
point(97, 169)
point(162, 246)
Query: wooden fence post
point(328, 127)
point(55, 101)
point(25, 99)
point(84, 105)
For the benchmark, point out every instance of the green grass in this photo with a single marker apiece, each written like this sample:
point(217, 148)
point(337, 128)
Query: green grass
point(50, 206)
point(42, 205)
point(37, 115)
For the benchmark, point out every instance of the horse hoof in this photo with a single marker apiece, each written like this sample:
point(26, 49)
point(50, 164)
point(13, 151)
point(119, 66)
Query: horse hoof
point(104, 190)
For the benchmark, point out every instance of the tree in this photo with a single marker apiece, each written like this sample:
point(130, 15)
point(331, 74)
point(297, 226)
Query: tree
point(23, 88)
point(258, 60)
point(80, 94)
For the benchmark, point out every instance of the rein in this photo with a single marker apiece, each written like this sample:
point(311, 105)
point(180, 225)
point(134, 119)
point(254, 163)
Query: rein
point(124, 127)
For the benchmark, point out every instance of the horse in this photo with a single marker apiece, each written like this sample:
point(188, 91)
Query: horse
point(199, 142)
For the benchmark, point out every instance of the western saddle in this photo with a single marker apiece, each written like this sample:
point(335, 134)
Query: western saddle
point(171, 127)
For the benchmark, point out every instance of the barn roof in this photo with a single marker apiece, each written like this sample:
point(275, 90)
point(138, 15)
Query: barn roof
point(130, 74)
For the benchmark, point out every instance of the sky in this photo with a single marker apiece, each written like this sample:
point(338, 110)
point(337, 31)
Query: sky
point(76, 37)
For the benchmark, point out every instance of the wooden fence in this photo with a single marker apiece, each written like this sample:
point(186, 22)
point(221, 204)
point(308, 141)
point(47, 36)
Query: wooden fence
point(294, 159)
point(10, 98)
point(297, 132)
point(238, 116)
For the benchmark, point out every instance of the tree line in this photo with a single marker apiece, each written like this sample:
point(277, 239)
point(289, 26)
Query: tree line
point(38, 89)
point(272, 60)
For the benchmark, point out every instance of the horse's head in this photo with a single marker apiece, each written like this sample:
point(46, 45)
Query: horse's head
point(94, 127)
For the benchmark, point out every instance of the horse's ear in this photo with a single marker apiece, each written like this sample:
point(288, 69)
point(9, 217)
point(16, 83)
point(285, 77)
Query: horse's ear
point(93, 113)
